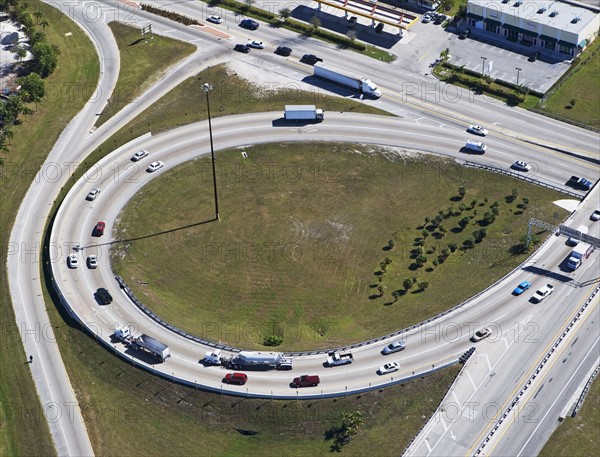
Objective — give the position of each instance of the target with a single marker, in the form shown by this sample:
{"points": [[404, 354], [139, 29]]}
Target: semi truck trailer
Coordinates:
{"points": [[159, 350], [363, 85], [264, 360], [303, 113]]}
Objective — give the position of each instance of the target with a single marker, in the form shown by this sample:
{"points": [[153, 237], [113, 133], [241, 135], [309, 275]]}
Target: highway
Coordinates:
{"points": [[444, 120]]}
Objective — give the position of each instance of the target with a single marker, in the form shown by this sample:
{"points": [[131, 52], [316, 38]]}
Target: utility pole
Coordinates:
{"points": [[206, 88]]}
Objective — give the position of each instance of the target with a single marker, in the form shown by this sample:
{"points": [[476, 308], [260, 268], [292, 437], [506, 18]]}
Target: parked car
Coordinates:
{"points": [[595, 215], [72, 261], [426, 17], [464, 34], [283, 51], [521, 288], [521, 166], [477, 130], [103, 296], [394, 347], [481, 334], [249, 24], [92, 262], [235, 378], [439, 18], [92, 194], [388, 368], [534, 56], [155, 166], [310, 59], [99, 229], [139, 155], [215, 19], [242, 48], [306, 381], [256, 44]]}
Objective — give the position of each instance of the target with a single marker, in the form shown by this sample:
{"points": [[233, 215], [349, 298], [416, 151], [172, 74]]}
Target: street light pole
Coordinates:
{"points": [[518, 71], [206, 88], [483, 59]]}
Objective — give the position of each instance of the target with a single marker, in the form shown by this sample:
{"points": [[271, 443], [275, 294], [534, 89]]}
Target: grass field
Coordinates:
{"points": [[578, 436], [69, 87], [583, 86], [142, 63], [303, 231]]}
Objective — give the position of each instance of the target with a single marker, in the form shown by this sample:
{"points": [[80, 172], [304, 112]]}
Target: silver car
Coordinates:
{"points": [[396, 346]]}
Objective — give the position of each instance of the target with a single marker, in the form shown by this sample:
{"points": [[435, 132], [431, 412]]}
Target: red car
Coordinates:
{"points": [[236, 378], [306, 381], [99, 229]]}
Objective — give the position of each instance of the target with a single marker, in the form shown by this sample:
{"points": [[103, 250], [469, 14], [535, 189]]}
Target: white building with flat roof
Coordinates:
{"points": [[553, 26]]}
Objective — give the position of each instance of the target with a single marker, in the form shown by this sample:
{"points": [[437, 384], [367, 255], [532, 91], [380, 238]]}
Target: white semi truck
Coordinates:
{"points": [[581, 252], [156, 348], [212, 357], [363, 85], [303, 113], [265, 360]]}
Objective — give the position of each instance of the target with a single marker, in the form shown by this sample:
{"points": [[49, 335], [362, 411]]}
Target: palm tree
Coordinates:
{"points": [[44, 24], [38, 15]]}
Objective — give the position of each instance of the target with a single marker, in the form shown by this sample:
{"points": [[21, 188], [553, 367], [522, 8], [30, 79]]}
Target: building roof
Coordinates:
{"points": [[558, 15]]}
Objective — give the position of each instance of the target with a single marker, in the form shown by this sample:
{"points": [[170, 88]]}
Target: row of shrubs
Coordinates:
{"points": [[185, 20]]}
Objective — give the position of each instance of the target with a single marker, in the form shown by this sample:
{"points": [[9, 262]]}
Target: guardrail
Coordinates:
{"points": [[538, 370], [585, 391], [523, 177]]}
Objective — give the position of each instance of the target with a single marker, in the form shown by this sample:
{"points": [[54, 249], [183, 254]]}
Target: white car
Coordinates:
{"points": [[72, 261], [215, 19], [394, 347], [91, 196], [481, 334], [595, 215], [256, 44], [477, 130], [155, 166], [388, 368], [521, 166], [139, 155], [92, 262]]}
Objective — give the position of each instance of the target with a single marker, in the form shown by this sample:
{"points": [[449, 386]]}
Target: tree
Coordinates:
{"points": [[469, 242], [425, 233], [420, 260], [473, 203], [407, 283], [387, 260], [46, 58], [315, 23], [351, 35], [380, 290], [423, 285], [462, 191], [442, 230], [463, 222], [435, 263], [396, 295], [391, 244], [273, 340], [44, 24], [33, 88], [20, 53], [351, 422], [38, 15], [452, 246], [285, 13]]}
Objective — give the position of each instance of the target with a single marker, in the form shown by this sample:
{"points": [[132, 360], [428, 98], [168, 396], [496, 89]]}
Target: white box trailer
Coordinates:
{"points": [[363, 85], [303, 113], [156, 348]]}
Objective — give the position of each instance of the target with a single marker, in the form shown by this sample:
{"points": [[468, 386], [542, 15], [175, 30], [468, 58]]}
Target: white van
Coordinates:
{"points": [[476, 146]]}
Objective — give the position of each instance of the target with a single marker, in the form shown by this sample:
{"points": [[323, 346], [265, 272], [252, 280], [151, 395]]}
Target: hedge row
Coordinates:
{"points": [[185, 20]]}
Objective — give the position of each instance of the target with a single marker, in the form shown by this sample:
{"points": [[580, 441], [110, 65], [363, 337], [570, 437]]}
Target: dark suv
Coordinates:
{"points": [[103, 296], [249, 24], [242, 48], [310, 59]]}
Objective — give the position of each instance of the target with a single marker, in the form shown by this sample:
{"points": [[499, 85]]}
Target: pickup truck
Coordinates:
{"points": [[580, 183], [306, 381], [542, 293], [339, 358]]}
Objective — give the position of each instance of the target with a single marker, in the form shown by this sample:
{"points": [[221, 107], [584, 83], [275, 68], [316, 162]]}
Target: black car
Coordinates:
{"points": [[464, 34], [533, 57], [249, 24], [283, 51], [310, 59], [103, 296], [439, 18], [242, 48]]}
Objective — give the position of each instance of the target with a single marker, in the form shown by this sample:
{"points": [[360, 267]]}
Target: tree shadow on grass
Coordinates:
{"points": [[338, 436]]}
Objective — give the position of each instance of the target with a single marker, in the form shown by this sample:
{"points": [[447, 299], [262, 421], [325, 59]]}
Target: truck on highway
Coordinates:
{"points": [[306, 381], [303, 113], [542, 293], [580, 183], [357, 83], [212, 357], [581, 252], [339, 358], [159, 350], [255, 359]]}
